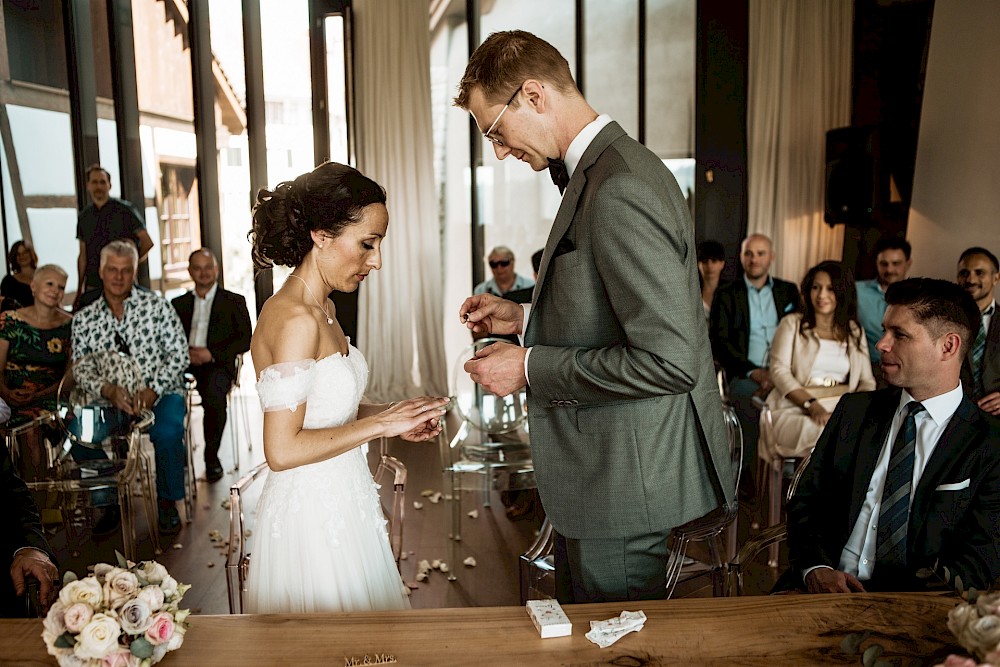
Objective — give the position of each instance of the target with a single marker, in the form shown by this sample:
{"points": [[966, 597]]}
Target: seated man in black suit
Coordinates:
{"points": [[218, 327], [907, 477], [24, 550], [744, 316]]}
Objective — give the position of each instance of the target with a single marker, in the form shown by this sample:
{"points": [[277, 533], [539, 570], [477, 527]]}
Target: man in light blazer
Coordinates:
{"points": [[625, 416], [940, 467], [217, 324]]}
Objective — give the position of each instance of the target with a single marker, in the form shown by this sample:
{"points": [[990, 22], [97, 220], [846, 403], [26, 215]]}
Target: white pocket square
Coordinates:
{"points": [[957, 486]]}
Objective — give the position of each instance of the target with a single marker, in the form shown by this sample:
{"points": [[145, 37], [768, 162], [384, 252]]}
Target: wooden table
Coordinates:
{"points": [[776, 630]]}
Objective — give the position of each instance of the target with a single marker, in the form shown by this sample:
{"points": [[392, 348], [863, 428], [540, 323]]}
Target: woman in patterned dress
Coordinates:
{"points": [[35, 353]]}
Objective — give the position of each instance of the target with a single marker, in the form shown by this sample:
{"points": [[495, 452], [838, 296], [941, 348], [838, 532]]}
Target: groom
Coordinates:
{"points": [[625, 417]]}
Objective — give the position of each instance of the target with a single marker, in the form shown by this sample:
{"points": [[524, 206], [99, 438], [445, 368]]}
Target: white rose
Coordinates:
{"points": [[178, 638], [168, 586], [153, 595], [101, 570], [98, 638], [158, 653], [152, 572], [77, 615], [119, 586], [69, 659], [87, 591], [54, 622], [983, 635], [135, 616]]}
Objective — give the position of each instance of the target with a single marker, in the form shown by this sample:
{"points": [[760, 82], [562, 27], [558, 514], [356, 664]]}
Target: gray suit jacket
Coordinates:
{"points": [[624, 411]]}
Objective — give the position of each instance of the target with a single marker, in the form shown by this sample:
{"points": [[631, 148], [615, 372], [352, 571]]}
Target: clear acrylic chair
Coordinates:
{"points": [[770, 474], [238, 422], [190, 485], [391, 470], [709, 528], [770, 538], [537, 568], [490, 443], [121, 471], [238, 552], [29, 463]]}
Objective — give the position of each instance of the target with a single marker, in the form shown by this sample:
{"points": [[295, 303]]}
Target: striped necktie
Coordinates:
{"points": [[978, 350], [890, 547]]}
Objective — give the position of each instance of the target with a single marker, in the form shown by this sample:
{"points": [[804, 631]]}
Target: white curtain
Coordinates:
{"points": [[400, 310], [799, 87]]}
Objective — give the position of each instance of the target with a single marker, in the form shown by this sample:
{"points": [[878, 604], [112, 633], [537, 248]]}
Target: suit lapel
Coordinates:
{"points": [[958, 437], [567, 209], [875, 425], [186, 310]]}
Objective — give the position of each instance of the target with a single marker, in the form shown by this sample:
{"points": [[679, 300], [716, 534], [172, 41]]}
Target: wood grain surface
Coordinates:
{"points": [[763, 630]]}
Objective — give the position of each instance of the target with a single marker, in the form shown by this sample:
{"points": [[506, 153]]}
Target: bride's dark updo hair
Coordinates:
{"points": [[327, 199]]}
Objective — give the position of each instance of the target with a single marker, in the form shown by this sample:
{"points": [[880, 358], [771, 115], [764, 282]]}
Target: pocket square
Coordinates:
{"points": [[564, 246], [789, 308], [957, 486]]}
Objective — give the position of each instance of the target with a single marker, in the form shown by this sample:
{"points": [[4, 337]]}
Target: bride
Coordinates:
{"points": [[321, 542]]}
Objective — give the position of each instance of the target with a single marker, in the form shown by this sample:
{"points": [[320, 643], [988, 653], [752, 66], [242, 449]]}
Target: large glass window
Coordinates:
{"points": [[336, 88], [611, 61], [287, 94], [235, 198], [449, 55]]}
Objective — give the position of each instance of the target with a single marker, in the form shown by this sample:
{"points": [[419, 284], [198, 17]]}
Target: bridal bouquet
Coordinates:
{"points": [[976, 626], [124, 616]]}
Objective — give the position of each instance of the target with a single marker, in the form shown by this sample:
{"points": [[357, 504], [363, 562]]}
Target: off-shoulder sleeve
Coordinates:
{"points": [[285, 386]]}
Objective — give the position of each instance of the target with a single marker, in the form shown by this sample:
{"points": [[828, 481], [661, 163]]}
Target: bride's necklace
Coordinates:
{"points": [[329, 320]]}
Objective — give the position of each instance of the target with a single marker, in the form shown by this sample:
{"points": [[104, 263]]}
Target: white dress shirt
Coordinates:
{"points": [[858, 556], [581, 142], [199, 317]]}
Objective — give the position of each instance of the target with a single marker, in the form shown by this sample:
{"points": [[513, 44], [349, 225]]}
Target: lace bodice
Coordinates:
{"points": [[331, 388]]}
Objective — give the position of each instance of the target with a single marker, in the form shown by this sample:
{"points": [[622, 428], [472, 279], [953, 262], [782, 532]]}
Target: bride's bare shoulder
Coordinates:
{"points": [[285, 331]]}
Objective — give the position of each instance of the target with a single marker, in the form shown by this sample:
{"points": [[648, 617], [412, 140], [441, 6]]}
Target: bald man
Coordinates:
{"points": [[218, 327], [745, 314]]}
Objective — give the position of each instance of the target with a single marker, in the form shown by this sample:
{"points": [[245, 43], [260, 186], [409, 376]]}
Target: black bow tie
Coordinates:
{"points": [[557, 170]]}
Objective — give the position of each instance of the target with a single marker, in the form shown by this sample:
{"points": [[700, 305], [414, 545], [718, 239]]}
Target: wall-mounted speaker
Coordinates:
{"points": [[855, 183]]}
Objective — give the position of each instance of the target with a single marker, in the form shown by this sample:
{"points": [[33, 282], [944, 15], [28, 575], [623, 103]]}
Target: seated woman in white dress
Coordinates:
{"points": [[817, 355], [320, 543]]}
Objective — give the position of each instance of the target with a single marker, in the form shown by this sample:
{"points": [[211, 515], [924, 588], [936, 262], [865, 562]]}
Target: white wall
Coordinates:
{"points": [[956, 186]]}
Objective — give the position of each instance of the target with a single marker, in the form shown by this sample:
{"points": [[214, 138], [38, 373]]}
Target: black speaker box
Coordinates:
{"points": [[856, 188]]}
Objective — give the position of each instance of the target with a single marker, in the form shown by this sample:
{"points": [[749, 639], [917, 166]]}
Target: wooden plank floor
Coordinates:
{"points": [[494, 541]]}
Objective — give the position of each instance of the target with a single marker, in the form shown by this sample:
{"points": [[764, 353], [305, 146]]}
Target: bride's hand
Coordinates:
{"points": [[415, 419]]}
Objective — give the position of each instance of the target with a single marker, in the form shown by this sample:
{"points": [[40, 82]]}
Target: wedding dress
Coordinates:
{"points": [[320, 542]]}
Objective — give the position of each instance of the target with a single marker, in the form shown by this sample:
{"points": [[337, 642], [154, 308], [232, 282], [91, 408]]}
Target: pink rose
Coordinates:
{"points": [[120, 658], [161, 629], [77, 616]]}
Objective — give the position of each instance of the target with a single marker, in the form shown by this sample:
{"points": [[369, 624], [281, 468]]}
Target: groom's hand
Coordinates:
{"points": [[489, 314], [498, 368]]}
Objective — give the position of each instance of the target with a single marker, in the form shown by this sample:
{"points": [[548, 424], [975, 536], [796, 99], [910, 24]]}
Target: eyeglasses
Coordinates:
{"points": [[499, 262], [496, 140]]}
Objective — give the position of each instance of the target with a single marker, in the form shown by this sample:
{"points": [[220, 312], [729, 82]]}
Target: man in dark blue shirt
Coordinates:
{"points": [[99, 223]]}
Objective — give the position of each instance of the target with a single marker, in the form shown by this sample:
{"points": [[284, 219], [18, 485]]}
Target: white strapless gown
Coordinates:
{"points": [[320, 542]]}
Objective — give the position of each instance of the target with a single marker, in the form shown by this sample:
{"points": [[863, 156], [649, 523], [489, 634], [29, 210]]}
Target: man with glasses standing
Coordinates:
{"points": [[504, 280], [625, 418]]}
